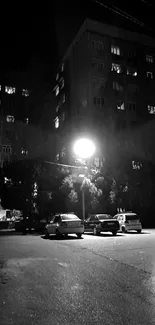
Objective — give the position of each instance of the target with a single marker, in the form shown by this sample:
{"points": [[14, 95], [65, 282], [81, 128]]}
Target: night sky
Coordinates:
{"points": [[34, 37]]}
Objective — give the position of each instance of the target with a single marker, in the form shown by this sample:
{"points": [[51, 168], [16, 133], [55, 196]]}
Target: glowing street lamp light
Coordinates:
{"points": [[84, 148]]}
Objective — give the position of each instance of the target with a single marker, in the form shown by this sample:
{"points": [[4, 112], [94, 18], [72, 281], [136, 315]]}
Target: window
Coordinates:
{"points": [[10, 90], [26, 120], [24, 152], [97, 64], [0, 87], [98, 101], [63, 98], [131, 54], [149, 75], [151, 109], [56, 122], [7, 149], [101, 65], [132, 106], [10, 119], [102, 82], [115, 50], [97, 45], [57, 76], [62, 83], [94, 82], [25, 92], [132, 72], [136, 165], [116, 67], [120, 105], [57, 109], [149, 58], [117, 86], [62, 67], [57, 90], [100, 46], [63, 116]]}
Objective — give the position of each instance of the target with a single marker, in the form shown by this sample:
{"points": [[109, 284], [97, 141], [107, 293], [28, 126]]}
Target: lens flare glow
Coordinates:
{"points": [[84, 148]]}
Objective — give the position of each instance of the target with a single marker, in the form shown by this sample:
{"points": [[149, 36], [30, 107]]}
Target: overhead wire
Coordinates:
{"points": [[123, 14]]}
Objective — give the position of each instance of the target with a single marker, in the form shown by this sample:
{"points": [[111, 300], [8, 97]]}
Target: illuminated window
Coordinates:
{"points": [[120, 105], [0, 87], [149, 75], [117, 86], [24, 152], [132, 106], [132, 72], [56, 122], [57, 90], [151, 109], [149, 58], [136, 165], [25, 92], [10, 90], [27, 120], [62, 67], [115, 50], [116, 67], [10, 119], [57, 76]]}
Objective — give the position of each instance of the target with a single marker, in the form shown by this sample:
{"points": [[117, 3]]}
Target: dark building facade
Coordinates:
{"points": [[106, 79]]}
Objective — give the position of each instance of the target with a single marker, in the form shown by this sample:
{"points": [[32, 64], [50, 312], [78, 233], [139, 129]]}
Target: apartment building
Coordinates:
{"points": [[107, 76], [14, 111]]}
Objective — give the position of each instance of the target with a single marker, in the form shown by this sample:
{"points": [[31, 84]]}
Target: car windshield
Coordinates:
{"points": [[131, 217], [69, 217], [104, 216]]}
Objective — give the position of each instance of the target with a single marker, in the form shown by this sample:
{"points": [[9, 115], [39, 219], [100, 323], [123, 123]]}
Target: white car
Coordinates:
{"points": [[64, 224], [129, 221]]}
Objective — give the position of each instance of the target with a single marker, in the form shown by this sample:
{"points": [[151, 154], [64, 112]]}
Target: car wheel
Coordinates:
{"points": [[46, 234], [114, 233], [79, 235], [95, 231], [139, 231], [57, 233], [123, 230]]}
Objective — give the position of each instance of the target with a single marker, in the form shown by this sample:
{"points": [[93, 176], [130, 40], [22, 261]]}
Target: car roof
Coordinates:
{"points": [[125, 213]]}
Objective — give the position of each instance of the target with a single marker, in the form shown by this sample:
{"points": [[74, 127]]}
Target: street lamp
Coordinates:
{"points": [[84, 148]]}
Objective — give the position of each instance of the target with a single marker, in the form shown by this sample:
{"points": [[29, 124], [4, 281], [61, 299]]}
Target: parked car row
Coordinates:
{"points": [[64, 224], [69, 223]]}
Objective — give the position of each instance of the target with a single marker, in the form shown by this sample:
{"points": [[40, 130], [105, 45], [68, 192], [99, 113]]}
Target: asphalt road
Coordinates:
{"points": [[95, 280]]}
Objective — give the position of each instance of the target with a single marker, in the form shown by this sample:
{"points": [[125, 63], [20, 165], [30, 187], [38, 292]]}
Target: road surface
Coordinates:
{"points": [[95, 280]]}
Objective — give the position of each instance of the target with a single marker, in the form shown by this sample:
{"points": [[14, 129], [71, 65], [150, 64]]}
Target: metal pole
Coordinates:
{"points": [[83, 205]]}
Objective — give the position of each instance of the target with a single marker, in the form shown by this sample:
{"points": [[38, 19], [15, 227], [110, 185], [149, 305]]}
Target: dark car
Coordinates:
{"points": [[97, 223]]}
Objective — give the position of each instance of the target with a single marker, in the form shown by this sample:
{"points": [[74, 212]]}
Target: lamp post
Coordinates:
{"points": [[84, 148]]}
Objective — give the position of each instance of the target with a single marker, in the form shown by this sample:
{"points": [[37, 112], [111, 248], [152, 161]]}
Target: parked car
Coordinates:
{"points": [[37, 225], [64, 224], [101, 223], [129, 221]]}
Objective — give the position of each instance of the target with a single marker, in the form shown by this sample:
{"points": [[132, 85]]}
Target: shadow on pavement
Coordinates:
{"points": [[13, 232], [105, 235], [53, 237]]}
